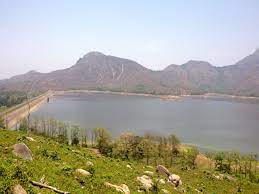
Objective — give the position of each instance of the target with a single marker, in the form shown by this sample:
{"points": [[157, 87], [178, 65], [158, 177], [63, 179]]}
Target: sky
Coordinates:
{"points": [[47, 35]]}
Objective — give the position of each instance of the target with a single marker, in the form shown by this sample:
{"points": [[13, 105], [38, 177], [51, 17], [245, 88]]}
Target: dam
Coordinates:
{"points": [[13, 116]]}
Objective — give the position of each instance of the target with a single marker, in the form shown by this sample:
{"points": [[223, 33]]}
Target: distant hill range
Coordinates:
{"points": [[96, 71]]}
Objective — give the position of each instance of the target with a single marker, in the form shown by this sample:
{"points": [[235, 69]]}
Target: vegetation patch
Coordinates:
{"points": [[54, 163]]}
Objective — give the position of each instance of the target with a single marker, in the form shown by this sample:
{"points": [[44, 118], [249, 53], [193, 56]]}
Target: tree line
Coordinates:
{"points": [[10, 98], [148, 148]]}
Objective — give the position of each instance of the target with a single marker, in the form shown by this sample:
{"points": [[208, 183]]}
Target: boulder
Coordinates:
{"points": [[89, 163], [175, 180], [165, 191], [18, 189], [128, 166], [122, 188], [21, 150], [30, 139], [149, 173], [82, 172], [146, 182], [172, 178], [223, 176]]}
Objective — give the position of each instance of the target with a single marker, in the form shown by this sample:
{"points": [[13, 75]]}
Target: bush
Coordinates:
{"points": [[23, 125], [2, 125], [75, 135]]}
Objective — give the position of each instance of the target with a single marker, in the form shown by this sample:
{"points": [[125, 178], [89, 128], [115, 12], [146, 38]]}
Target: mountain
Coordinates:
{"points": [[193, 77], [96, 71]]}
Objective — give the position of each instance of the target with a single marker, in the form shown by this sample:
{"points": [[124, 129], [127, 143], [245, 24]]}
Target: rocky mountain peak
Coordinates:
{"points": [[32, 72], [93, 53], [197, 64]]}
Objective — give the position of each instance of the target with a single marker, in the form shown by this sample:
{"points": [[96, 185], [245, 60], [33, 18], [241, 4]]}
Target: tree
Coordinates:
{"points": [[23, 125], [148, 146], [173, 142], [122, 147], [103, 141], [74, 135], [84, 136], [236, 159], [2, 125], [94, 135], [220, 165], [62, 132], [191, 155], [127, 147]]}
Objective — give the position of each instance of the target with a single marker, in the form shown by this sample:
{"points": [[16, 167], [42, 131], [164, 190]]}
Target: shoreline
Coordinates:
{"points": [[163, 97]]}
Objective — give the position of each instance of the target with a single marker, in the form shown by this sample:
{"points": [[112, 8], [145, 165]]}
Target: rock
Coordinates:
{"points": [[201, 161], [30, 139], [122, 188], [151, 167], [175, 180], [230, 178], [222, 177], [165, 191], [89, 163], [149, 173], [172, 178], [76, 151], [128, 166], [18, 189], [163, 170], [22, 151], [82, 172], [219, 177], [146, 182], [162, 181]]}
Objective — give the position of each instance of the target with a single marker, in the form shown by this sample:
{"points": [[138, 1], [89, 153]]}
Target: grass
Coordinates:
{"points": [[58, 162]]}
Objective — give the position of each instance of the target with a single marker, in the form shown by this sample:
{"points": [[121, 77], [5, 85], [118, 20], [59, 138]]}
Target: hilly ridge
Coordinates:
{"points": [[96, 71]]}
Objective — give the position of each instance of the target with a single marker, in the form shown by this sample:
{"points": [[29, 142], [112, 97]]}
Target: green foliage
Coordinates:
{"points": [[2, 125], [75, 135], [140, 88], [220, 165], [53, 155], [127, 147], [23, 125], [103, 141], [190, 157], [12, 98], [61, 173]]}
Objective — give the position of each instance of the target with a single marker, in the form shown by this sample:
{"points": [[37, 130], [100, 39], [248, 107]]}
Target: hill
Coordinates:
{"points": [[57, 162], [96, 71]]}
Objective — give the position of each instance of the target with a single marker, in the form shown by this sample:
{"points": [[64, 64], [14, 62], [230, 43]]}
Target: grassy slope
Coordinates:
{"points": [[60, 173]]}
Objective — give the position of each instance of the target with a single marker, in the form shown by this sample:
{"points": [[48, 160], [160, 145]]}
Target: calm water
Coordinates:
{"points": [[208, 124]]}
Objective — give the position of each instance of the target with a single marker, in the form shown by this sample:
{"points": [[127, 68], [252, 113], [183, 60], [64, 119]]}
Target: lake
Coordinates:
{"points": [[208, 124]]}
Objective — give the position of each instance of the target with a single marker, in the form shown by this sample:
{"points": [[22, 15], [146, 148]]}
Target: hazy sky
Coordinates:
{"points": [[50, 34]]}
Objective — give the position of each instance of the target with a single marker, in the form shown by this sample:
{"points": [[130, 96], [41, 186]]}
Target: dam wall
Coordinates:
{"points": [[15, 115]]}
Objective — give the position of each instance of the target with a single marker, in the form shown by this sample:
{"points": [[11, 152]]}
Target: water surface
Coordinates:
{"points": [[209, 124]]}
